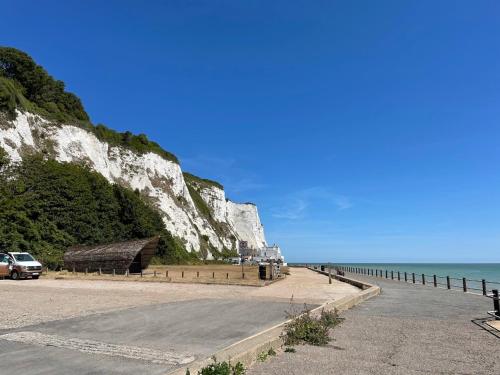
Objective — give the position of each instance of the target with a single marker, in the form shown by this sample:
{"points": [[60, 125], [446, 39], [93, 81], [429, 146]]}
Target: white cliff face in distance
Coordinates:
{"points": [[160, 180]]}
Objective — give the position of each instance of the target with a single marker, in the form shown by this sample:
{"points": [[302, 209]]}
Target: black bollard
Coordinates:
{"points": [[496, 303]]}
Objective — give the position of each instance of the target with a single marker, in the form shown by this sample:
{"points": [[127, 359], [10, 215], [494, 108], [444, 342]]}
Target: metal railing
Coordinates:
{"points": [[446, 282]]}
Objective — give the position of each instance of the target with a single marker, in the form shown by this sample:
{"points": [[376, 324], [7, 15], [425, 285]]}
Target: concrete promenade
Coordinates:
{"points": [[408, 329]]}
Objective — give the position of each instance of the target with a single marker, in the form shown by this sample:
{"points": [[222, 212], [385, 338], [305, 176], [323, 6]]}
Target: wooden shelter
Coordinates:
{"points": [[133, 256]]}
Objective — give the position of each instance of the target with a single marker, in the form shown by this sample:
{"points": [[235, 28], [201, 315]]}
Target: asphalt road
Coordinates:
{"points": [[408, 329], [149, 339]]}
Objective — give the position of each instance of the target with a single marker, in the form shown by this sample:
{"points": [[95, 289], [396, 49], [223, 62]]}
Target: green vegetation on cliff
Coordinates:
{"points": [[204, 183], [195, 185], [37, 86], [24, 85], [47, 206]]}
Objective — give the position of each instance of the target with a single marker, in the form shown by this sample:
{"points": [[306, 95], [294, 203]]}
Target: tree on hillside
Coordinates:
{"points": [[38, 86]]}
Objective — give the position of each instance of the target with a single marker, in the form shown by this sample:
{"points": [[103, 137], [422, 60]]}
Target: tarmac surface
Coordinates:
{"points": [[147, 339], [114, 327], [408, 329]]}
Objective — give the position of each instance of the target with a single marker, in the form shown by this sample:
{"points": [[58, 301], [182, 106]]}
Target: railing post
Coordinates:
{"points": [[423, 279], [182, 274], [86, 271], [376, 273], [484, 287], [227, 276], [141, 272], [213, 275], [399, 276], [413, 277], [197, 274], [392, 275], [166, 273], [435, 282], [154, 274], [73, 270], [406, 277], [114, 272], [464, 280], [329, 274], [448, 282], [496, 303], [386, 274], [100, 271]]}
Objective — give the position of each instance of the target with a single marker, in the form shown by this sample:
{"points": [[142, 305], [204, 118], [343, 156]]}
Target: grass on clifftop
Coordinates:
{"points": [[203, 183]]}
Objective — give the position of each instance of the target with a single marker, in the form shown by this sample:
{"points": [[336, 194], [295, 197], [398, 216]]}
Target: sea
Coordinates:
{"points": [[456, 271]]}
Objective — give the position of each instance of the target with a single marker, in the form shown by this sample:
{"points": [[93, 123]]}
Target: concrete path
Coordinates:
{"points": [[406, 330]]}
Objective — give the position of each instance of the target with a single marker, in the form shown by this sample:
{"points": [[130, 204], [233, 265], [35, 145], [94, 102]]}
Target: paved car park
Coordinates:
{"points": [[85, 327], [152, 338]]}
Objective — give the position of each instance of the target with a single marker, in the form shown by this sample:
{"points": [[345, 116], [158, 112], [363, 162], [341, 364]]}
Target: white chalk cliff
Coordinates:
{"points": [[161, 180]]}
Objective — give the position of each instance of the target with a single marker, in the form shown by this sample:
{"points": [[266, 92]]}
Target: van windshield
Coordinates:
{"points": [[24, 257]]}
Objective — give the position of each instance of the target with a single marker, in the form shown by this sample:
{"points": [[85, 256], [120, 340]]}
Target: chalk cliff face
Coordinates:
{"points": [[243, 218], [160, 180]]}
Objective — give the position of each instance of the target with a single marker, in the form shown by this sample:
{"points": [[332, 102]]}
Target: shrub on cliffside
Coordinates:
{"points": [[46, 206]]}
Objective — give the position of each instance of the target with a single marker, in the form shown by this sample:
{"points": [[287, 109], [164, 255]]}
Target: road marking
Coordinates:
{"points": [[96, 347]]}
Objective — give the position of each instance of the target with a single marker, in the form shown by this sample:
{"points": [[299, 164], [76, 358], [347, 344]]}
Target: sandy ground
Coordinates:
{"points": [[29, 302]]}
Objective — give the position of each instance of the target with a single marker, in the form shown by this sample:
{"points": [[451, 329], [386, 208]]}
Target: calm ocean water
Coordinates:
{"points": [[471, 271]]}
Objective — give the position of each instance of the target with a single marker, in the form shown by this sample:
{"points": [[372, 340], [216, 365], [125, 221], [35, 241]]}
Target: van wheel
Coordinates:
{"points": [[14, 275], [35, 277]]}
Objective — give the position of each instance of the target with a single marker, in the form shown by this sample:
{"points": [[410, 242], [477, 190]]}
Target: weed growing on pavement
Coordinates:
{"points": [[221, 368], [304, 328]]}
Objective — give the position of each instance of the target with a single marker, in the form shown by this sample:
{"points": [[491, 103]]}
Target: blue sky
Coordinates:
{"points": [[364, 130]]}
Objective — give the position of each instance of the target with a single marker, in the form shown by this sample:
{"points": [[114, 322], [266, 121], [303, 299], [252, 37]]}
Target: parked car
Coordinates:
{"points": [[23, 265], [4, 265]]}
